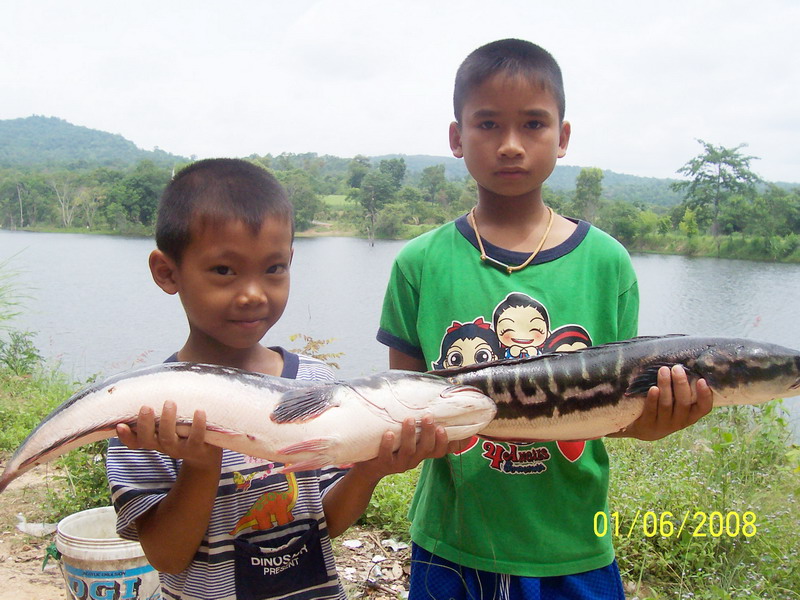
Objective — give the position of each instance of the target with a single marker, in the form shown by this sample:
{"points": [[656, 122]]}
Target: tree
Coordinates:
{"points": [[689, 223], [138, 192], [432, 181], [301, 194], [716, 175], [588, 189], [622, 220], [64, 187], [357, 170], [394, 168], [375, 192]]}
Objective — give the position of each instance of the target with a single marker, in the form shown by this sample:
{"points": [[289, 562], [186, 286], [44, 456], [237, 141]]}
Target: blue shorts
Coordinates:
{"points": [[434, 578]]}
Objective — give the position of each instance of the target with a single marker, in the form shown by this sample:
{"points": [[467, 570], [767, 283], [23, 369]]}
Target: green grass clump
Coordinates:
{"points": [[24, 401], [736, 464], [388, 507], [29, 391]]}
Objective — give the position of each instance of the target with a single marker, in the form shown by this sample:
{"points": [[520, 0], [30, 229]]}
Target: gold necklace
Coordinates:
{"points": [[501, 265]]}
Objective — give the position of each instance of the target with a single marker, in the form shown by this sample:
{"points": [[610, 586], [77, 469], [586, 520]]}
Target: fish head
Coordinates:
{"points": [[416, 394], [748, 372]]}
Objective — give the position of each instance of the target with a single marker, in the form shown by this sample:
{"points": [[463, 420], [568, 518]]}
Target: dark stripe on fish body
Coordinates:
{"points": [[733, 373], [495, 387], [528, 386], [517, 410], [597, 399]]}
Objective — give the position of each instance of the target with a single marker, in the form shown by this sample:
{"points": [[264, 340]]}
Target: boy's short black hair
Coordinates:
{"points": [[511, 57], [218, 190]]}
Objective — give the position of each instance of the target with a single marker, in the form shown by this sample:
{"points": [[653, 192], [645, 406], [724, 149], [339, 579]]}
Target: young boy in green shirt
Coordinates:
{"points": [[512, 278], [216, 524]]}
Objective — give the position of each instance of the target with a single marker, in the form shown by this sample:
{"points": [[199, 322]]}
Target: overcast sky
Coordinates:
{"points": [[643, 80]]}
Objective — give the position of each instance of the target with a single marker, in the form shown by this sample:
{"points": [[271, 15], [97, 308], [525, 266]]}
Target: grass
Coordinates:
{"points": [[28, 393], [735, 465], [759, 248], [336, 200]]}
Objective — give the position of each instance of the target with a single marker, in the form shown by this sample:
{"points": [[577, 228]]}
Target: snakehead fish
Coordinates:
{"points": [[304, 424], [601, 389]]}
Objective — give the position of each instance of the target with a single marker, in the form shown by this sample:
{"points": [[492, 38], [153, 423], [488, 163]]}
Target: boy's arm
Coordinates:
{"points": [[400, 360], [171, 532], [348, 499], [670, 406]]}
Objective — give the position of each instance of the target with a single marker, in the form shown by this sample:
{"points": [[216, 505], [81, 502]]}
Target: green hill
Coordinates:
{"points": [[39, 141]]}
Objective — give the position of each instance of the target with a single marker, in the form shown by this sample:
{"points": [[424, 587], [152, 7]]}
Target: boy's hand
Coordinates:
{"points": [[671, 406], [432, 443], [164, 437]]}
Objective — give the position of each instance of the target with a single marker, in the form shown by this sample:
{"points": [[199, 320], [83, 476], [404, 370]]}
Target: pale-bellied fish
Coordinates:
{"points": [[600, 390], [304, 424]]}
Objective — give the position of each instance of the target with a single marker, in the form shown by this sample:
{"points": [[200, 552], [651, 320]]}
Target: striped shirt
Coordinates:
{"points": [[269, 512]]}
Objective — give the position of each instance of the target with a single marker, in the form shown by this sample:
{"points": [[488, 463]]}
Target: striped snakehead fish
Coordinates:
{"points": [[600, 390]]}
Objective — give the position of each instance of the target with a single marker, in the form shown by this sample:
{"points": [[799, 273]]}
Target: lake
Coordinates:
{"points": [[95, 309]]}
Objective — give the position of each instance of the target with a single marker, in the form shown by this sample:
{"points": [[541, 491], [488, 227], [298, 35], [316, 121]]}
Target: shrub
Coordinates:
{"points": [[735, 462], [19, 353]]}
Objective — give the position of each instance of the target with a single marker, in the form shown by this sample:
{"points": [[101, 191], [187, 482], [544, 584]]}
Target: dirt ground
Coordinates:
{"points": [[22, 555], [370, 566]]}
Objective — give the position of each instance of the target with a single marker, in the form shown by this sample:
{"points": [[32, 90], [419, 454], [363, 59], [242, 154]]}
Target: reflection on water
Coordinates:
{"points": [[96, 310]]}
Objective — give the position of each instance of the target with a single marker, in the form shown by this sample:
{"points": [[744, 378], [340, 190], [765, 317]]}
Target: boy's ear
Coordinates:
{"points": [[455, 140], [563, 139], [164, 271]]}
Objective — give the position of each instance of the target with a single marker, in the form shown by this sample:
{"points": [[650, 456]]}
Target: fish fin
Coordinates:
{"points": [[645, 380], [315, 445], [304, 404], [312, 464]]}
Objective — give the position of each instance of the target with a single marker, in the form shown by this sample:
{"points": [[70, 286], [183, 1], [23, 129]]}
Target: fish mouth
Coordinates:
{"points": [[795, 385], [455, 390]]}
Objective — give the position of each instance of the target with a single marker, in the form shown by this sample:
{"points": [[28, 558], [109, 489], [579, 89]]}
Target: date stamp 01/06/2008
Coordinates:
{"points": [[666, 524]]}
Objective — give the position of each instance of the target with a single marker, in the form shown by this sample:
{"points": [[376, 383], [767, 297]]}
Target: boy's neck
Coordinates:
{"points": [[502, 210], [257, 358], [519, 223]]}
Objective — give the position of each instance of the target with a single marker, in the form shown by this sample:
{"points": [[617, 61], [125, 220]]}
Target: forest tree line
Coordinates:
{"points": [[725, 205]]}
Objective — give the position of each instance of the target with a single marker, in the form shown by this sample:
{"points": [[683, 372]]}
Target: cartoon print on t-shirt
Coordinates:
{"points": [[567, 338], [521, 329], [271, 509], [468, 344], [522, 325]]}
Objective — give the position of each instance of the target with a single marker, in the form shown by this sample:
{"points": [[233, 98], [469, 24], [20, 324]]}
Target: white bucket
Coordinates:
{"points": [[98, 564]]}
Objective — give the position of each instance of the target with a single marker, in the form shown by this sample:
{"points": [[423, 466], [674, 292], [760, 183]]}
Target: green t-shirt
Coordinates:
{"points": [[522, 509]]}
